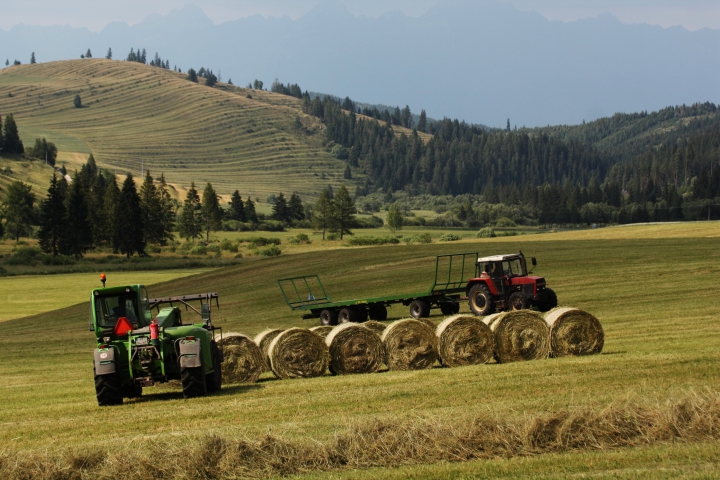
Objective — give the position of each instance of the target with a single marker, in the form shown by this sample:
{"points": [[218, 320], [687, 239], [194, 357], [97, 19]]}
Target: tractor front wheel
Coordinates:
{"points": [[480, 300], [547, 301], [108, 389], [419, 309], [518, 301], [193, 382], [449, 308], [214, 379]]}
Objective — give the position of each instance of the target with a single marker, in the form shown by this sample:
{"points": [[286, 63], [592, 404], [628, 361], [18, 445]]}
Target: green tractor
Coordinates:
{"points": [[137, 349]]}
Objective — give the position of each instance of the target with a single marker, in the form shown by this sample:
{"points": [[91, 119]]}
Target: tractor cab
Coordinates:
{"points": [[117, 310]]}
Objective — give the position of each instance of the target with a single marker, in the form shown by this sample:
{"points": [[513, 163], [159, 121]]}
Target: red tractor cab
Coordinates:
{"points": [[503, 283]]}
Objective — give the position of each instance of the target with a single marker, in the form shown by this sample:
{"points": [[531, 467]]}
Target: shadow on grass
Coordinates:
{"points": [[178, 395]]}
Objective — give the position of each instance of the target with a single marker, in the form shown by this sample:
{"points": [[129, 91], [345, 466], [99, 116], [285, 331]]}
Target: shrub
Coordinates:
{"points": [[504, 222], [486, 232], [270, 251], [57, 260], [369, 222], [332, 236], [226, 244], [449, 237], [213, 248], [3, 272], [262, 241], [420, 238], [152, 249], [25, 256], [198, 250], [360, 241], [271, 226]]}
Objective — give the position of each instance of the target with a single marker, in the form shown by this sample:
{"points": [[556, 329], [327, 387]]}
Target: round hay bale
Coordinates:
{"points": [[464, 340], [354, 348], [574, 332], [243, 360], [323, 330], [298, 353], [263, 340], [409, 345], [520, 335], [376, 327], [427, 322]]}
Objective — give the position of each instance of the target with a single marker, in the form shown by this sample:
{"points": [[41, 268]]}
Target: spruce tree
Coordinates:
{"points": [[192, 75], [110, 200], [109, 54], [167, 212], [211, 212], [2, 143], [19, 211], [343, 212], [190, 226], [150, 208], [32, 59], [11, 138], [323, 214], [422, 122], [77, 101], [129, 227], [237, 210], [250, 214], [280, 210], [77, 238], [88, 54], [297, 212]]}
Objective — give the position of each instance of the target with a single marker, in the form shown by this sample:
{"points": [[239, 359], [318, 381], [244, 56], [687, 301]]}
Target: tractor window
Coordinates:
{"points": [[513, 267], [111, 307]]}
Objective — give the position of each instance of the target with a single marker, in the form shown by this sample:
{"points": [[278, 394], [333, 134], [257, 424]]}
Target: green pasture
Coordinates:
{"points": [[655, 296], [133, 114], [34, 294]]}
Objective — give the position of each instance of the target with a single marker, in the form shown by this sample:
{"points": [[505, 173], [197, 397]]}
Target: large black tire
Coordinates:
{"points": [[214, 379], [517, 301], [450, 308], [547, 300], [328, 317], [347, 315], [133, 391], [193, 382], [378, 312], [480, 300], [419, 309], [363, 315], [108, 389]]}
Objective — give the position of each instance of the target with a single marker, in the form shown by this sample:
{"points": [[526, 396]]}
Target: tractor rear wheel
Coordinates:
{"points": [[480, 300], [518, 301], [378, 312], [328, 317], [108, 389], [214, 379], [547, 301], [450, 308], [193, 382], [419, 309], [347, 315]]}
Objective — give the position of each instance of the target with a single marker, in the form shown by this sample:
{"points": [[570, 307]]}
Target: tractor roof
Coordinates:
{"points": [[499, 258]]}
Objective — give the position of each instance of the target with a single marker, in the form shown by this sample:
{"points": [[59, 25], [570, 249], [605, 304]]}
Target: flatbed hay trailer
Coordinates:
{"points": [[307, 294]]}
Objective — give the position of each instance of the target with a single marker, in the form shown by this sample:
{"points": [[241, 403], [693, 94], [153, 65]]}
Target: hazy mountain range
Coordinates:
{"points": [[475, 60]]}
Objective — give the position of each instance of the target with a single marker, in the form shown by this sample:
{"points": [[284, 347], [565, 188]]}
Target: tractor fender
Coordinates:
{"points": [[105, 361], [483, 281], [190, 354]]}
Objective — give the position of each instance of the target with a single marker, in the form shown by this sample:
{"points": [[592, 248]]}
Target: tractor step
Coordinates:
{"points": [[145, 381]]}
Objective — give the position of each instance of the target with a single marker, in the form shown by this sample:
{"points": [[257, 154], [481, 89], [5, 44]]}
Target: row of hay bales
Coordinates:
{"points": [[411, 344]]}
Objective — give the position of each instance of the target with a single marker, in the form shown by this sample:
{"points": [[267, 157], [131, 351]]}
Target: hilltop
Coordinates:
{"points": [[133, 113]]}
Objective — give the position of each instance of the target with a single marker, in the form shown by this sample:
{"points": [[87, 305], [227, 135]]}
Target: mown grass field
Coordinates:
{"points": [[655, 295]]}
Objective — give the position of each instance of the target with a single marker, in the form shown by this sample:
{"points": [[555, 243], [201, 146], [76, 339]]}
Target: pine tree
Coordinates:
{"points": [[110, 201], [32, 59], [190, 226], [297, 212], [150, 208], [88, 54], [129, 227], [109, 54], [11, 138], [77, 101], [77, 238], [192, 75], [2, 142], [343, 212], [167, 212], [394, 218], [250, 214], [347, 175], [323, 213], [237, 210], [422, 122], [210, 80], [280, 210], [53, 216], [19, 212], [211, 212]]}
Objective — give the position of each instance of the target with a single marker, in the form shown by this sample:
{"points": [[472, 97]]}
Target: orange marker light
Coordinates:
{"points": [[103, 278]]}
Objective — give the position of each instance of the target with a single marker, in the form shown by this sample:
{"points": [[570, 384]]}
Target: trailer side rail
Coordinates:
{"points": [[304, 291], [451, 271]]}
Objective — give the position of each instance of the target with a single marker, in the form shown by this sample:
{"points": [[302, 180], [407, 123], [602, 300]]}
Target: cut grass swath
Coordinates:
{"points": [[298, 353], [409, 345], [520, 335], [243, 360], [354, 349], [464, 340], [574, 332]]}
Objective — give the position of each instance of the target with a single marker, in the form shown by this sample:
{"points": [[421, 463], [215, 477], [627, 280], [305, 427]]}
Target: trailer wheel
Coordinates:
{"points": [[419, 309], [517, 301], [450, 308], [362, 315], [548, 300], [347, 315], [214, 380], [108, 389], [328, 317], [378, 312], [193, 382], [480, 300]]}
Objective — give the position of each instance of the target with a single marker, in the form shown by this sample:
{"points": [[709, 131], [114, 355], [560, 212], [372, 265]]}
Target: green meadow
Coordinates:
{"points": [[652, 287]]}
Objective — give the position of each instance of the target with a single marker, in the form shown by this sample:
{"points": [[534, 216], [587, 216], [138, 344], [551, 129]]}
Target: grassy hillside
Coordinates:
{"points": [[134, 113], [652, 295]]}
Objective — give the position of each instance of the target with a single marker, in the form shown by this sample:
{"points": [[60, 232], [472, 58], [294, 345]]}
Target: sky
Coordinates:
{"points": [[95, 14]]}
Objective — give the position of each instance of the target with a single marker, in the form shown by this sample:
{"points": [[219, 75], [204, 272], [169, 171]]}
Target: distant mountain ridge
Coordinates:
{"points": [[482, 62]]}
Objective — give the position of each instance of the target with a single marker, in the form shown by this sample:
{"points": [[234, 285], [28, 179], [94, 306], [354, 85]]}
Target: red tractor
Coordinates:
{"points": [[504, 284]]}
